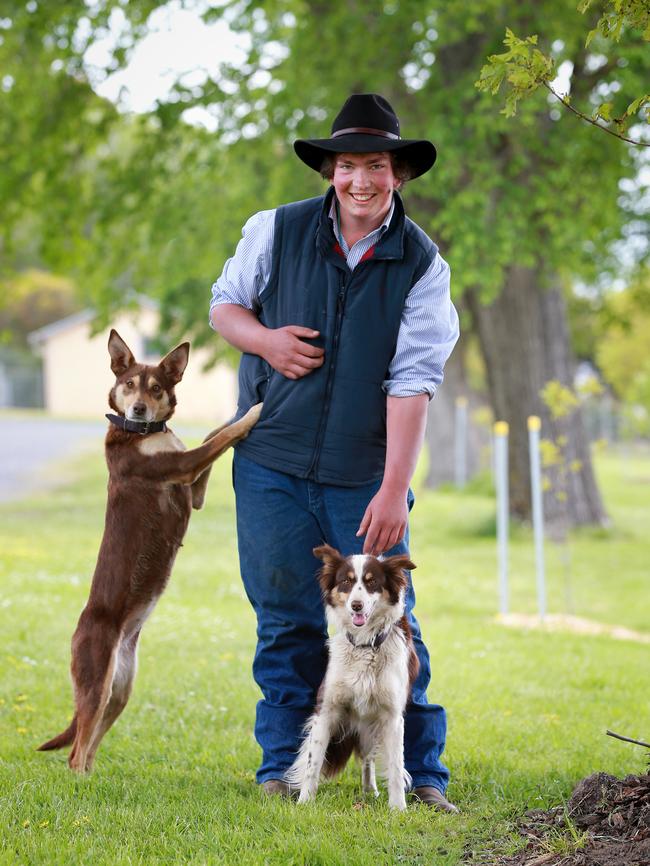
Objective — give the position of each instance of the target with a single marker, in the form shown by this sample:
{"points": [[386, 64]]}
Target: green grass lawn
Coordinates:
{"points": [[174, 779]]}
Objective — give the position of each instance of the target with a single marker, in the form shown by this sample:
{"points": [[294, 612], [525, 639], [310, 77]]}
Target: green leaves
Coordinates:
{"points": [[524, 67], [618, 16]]}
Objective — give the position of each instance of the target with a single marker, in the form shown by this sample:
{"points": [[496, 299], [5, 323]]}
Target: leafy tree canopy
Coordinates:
{"points": [[30, 300], [523, 68], [130, 204], [623, 351]]}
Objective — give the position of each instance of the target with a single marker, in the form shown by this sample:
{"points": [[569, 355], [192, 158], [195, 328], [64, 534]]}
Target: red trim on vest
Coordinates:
{"points": [[367, 255]]}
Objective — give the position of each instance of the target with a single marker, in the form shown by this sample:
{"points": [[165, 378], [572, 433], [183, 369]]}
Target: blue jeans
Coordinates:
{"points": [[280, 519]]}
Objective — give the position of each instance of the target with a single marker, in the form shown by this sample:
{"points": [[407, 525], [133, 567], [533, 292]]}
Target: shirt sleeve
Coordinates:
{"points": [[427, 334], [248, 271]]}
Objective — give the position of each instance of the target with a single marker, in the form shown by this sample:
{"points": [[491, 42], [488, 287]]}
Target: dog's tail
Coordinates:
{"points": [[338, 754], [63, 739], [339, 750]]}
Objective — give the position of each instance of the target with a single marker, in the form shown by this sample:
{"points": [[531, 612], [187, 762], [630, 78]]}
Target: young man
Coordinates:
{"points": [[341, 307]]}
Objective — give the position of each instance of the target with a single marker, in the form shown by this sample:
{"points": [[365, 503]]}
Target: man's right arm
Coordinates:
{"points": [[283, 348], [236, 296]]}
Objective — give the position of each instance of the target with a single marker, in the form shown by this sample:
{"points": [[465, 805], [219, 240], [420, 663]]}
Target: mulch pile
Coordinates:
{"points": [[613, 813]]}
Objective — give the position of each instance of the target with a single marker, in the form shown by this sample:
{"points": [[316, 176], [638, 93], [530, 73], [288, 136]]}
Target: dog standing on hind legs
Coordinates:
{"points": [[153, 485], [371, 669]]}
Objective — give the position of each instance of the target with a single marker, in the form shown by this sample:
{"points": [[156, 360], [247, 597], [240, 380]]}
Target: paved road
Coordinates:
{"points": [[29, 447]]}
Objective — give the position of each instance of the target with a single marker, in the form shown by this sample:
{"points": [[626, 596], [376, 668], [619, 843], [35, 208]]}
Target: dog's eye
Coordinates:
{"points": [[344, 586], [129, 383], [156, 389], [371, 583]]}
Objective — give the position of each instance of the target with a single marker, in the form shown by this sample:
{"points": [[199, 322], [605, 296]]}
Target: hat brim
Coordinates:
{"points": [[420, 155]]}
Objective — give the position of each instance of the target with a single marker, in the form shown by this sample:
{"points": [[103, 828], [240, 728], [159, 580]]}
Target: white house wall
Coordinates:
{"points": [[78, 377]]}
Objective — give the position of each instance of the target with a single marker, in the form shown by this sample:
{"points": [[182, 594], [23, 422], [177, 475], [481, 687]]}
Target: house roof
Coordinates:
{"points": [[42, 335]]}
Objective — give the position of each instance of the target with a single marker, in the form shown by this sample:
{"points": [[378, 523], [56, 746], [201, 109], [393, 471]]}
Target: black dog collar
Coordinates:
{"points": [[141, 427], [375, 643]]}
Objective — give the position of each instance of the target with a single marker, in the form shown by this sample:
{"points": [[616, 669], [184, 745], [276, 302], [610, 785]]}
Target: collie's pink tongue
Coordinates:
{"points": [[359, 618]]}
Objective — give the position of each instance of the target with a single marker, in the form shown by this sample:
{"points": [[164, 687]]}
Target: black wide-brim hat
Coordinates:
{"points": [[367, 124]]}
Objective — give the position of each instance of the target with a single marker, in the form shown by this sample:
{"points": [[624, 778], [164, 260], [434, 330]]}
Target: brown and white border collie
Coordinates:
{"points": [[153, 484], [372, 666]]}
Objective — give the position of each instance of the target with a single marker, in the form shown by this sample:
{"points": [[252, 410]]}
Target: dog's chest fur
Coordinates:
{"points": [[368, 681], [147, 518], [156, 443]]}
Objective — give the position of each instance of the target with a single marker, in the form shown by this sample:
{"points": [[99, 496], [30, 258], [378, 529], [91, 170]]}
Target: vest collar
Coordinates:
{"points": [[389, 246], [141, 427]]}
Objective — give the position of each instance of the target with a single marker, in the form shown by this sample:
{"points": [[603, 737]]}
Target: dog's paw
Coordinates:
{"points": [[250, 419], [305, 797]]}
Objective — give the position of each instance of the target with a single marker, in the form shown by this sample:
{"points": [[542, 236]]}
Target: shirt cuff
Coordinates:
{"points": [[397, 388]]}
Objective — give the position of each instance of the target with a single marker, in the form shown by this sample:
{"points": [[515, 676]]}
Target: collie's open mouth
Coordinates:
{"points": [[359, 619]]}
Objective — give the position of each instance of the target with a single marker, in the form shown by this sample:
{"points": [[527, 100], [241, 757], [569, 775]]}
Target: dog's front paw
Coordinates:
{"points": [[250, 419], [306, 796], [397, 803]]}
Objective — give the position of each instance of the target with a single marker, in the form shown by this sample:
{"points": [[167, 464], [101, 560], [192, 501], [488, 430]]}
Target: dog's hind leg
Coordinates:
{"points": [[368, 778], [126, 663], [393, 743], [367, 748], [94, 650]]}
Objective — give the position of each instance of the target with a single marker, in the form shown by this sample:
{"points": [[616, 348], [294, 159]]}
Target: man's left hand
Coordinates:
{"points": [[384, 521]]}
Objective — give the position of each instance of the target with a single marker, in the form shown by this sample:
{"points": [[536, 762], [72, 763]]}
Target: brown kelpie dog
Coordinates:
{"points": [[153, 485]]}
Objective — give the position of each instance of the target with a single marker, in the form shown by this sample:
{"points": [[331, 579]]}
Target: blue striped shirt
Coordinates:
{"points": [[429, 327]]}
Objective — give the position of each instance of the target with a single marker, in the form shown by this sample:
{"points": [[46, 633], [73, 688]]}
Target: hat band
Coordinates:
{"points": [[364, 130]]}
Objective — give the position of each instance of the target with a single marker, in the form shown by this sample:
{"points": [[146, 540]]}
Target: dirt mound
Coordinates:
{"points": [[605, 823]]}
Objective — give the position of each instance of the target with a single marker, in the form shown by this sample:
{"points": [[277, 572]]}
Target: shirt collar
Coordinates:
{"points": [[334, 216]]}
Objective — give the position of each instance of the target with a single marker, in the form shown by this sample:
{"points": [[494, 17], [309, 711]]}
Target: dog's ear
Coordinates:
{"points": [[332, 561], [400, 562], [173, 365], [121, 356], [327, 554], [394, 569]]}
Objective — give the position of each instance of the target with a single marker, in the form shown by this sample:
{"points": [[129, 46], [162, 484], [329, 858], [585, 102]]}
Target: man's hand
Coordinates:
{"points": [[386, 517], [384, 521], [286, 351]]}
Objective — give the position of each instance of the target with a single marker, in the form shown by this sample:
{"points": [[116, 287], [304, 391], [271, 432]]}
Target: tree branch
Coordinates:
{"points": [[593, 122], [627, 739]]}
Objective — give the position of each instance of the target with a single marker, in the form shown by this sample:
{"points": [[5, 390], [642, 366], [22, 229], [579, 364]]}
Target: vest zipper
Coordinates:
{"points": [[340, 307]]}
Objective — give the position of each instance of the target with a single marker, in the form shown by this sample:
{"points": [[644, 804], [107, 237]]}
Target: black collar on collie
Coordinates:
{"points": [[375, 643], [141, 427]]}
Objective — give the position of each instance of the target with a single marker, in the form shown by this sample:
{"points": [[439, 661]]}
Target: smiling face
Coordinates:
{"points": [[364, 185], [361, 590]]}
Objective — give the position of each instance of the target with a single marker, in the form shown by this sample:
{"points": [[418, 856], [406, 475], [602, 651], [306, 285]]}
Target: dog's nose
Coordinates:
{"points": [[357, 606], [139, 408]]}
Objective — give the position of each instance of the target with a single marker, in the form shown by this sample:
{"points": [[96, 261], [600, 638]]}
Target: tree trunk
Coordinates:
{"points": [[441, 426], [524, 339]]}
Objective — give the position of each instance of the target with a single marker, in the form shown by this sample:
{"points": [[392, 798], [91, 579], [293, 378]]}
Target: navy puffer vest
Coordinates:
{"points": [[330, 425]]}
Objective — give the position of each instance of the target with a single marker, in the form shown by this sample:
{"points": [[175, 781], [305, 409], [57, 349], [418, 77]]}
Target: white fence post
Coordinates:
{"points": [[501, 484], [460, 443], [534, 426]]}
